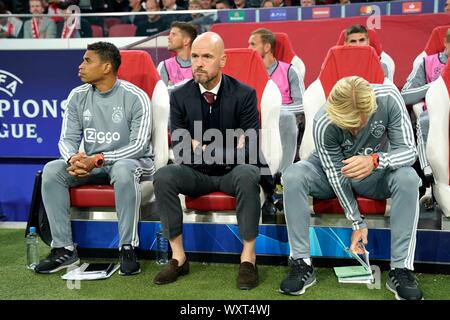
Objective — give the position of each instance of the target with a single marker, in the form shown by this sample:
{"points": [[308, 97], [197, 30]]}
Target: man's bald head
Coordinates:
{"points": [[208, 57], [211, 39]]}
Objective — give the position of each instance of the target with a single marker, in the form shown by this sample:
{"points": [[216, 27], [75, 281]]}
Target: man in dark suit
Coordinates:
{"points": [[211, 104]]}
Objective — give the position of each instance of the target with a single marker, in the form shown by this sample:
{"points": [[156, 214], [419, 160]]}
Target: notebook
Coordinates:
{"points": [[356, 274]]}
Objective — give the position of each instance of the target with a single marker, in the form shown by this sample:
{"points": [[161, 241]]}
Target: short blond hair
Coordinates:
{"points": [[351, 99]]}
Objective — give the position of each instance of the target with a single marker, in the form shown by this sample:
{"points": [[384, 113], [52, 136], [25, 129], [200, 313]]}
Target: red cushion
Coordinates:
{"points": [[247, 66], [366, 206], [92, 196], [137, 67], [283, 47], [345, 61], [374, 40], [435, 42], [215, 201]]}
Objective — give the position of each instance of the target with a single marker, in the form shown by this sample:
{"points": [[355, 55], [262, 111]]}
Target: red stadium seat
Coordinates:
{"points": [[137, 67], [374, 41], [434, 44], [246, 66], [111, 21], [122, 30], [97, 31], [341, 61], [284, 51], [438, 152]]}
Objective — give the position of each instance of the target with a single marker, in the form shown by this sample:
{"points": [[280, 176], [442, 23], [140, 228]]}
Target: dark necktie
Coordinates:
{"points": [[209, 97]]}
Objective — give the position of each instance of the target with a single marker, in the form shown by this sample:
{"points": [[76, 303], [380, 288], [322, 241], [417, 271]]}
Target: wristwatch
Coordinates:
{"points": [[99, 160], [375, 157]]}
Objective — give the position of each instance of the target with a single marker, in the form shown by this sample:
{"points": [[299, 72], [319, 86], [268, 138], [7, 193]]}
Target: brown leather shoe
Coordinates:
{"points": [[171, 272], [247, 277]]}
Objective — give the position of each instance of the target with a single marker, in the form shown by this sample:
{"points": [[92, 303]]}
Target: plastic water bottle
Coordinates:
{"points": [[32, 249], [162, 248]]}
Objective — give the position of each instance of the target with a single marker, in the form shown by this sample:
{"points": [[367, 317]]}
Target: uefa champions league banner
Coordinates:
{"points": [[34, 86]]}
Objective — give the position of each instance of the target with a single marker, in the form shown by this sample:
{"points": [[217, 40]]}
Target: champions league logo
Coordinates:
{"points": [[9, 82], [13, 112]]}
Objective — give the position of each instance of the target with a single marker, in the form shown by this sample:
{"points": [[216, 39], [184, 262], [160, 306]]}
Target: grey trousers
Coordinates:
{"points": [[422, 126], [402, 185], [242, 182], [124, 175], [288, 133]]}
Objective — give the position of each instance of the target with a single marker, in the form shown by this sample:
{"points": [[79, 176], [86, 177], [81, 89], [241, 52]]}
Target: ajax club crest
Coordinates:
{"points": [[377, 129], [117, 115]]}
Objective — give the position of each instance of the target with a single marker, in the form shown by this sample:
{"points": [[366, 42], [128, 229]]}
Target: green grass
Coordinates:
{"points": [[205, 281]]}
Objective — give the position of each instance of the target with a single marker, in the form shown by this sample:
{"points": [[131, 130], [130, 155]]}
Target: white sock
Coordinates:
{"points": [[307, 261], [71, 248]]}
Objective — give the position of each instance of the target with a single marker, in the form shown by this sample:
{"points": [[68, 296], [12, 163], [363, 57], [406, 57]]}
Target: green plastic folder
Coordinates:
{"points": [[350, 272]]}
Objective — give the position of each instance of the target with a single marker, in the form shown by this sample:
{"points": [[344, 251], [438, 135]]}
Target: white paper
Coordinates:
{"points": [[79, 274]]}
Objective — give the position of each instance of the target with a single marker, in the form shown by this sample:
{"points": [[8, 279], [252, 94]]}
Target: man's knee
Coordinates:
{"points": [[295, 174], [52, 169], [287, 118], [246, 174], [122, 172], [406, 179], [166, 176]]}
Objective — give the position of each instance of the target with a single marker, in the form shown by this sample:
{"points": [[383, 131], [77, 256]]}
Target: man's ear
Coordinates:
{"points": [[223, 60], [107, 68], [267, 48]]}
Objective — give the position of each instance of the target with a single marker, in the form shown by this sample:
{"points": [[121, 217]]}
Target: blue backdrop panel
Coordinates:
{"points": [[33, 88], [365, 9], [432, 247], [278, 14], [32, 96], [321, 12], [237, 15], [16, 190], [412, 7], [441, 5]]}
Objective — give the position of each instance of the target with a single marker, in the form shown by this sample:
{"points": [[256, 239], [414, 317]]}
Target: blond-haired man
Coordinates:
{"points": [[352, 133]]}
